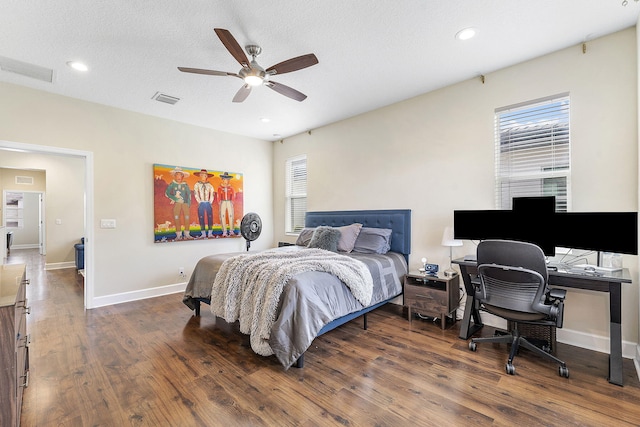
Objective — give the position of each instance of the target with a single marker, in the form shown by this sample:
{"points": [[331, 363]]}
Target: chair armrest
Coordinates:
{"points": [[555, 293], [555, 298]]}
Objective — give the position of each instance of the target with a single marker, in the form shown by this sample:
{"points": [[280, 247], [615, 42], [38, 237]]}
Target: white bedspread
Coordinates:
{"points": [[248, 286]]}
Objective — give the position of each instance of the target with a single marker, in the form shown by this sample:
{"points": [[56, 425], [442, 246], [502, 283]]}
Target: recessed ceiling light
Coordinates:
{"points": [[466, 33], [78, 66], [265, 119]]}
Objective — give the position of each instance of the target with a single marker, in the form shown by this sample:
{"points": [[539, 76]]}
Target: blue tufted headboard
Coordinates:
{"points": [[399, 220]]}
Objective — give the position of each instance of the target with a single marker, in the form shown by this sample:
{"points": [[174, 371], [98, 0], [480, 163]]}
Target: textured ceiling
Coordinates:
{"points": [[371, 53]]}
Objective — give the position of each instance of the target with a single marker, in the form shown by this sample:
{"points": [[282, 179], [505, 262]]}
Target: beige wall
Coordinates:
{"points": [[435, 153], [124, 146]]}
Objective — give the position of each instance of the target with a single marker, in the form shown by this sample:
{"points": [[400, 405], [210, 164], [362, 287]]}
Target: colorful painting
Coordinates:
{"points": [[196, 203]]}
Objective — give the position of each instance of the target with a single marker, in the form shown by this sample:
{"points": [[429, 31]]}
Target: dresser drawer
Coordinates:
{"points": [[14, 342]]}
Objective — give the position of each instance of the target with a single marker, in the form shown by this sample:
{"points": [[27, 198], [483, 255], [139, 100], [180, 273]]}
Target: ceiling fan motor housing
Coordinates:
{"points": [[253, 50]]}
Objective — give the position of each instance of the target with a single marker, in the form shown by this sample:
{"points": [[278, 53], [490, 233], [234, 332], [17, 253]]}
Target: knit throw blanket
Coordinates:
{"points": [[248, 287]]}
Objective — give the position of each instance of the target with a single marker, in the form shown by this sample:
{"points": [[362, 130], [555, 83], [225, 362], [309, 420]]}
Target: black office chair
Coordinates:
{"points": [[513, 285]]}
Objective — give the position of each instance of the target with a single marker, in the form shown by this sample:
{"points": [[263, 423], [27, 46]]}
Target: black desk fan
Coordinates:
{"points": [[250, 227]]}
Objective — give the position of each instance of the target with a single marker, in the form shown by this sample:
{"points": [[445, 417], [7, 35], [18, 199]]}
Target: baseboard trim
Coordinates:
{"points": [[59, 265], [597, 343], [27, 246], [138, 295]]}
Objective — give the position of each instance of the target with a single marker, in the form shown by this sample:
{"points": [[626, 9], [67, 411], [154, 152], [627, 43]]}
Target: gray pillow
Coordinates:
{"points": [[348, 236], [373, 241], [305, 236], [325, 238]]}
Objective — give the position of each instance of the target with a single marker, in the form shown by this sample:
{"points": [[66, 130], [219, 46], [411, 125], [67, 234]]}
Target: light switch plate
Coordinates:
{"points": [[107, 223]]}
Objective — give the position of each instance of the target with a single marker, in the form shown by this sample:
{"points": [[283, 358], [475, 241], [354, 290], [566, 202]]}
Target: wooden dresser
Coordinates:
{"points": [[14, 342]]}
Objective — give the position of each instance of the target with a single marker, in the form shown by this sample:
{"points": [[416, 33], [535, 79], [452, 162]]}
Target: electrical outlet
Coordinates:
{"points": [[182, 273]]}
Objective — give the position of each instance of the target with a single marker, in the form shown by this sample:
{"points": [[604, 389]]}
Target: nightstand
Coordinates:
{"points": [[433, 296]]}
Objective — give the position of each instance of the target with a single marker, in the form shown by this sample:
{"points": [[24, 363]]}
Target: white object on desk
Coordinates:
{"points": [[592, 268]]}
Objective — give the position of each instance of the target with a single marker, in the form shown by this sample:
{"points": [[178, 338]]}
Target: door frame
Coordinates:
{"points": [[42, 224], [87, 156]]}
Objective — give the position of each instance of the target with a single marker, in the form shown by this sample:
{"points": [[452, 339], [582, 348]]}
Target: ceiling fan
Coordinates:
{"points": [[253, 74]]}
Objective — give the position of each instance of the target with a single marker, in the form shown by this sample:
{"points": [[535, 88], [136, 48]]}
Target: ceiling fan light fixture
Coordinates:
{"points": [[254, 76], [466, 33], [253, 80]]}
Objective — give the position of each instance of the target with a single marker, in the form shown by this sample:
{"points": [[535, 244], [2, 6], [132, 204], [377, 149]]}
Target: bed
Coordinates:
{"points": [[315, 302]]}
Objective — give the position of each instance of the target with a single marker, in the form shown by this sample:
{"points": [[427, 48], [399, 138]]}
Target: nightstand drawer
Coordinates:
{"points": [[422, 297]]}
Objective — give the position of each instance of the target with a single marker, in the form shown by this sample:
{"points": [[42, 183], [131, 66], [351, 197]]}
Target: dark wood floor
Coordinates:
{"points": [[152, 363]]}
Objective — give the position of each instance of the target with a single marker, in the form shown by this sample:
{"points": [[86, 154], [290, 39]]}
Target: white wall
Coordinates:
{"points": [[435, 153], [125, 145]]}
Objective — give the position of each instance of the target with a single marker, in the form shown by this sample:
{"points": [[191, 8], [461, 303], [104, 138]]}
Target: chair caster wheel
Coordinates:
{"points": [[511, 370], [563, 371], [473, 346]]}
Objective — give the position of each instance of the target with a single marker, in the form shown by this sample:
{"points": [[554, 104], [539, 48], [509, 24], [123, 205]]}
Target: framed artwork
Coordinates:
{"points": [[196, 203]]}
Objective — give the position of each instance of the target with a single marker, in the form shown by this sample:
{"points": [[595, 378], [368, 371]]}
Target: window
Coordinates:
{"points": [[533, 151], [296, 193]]}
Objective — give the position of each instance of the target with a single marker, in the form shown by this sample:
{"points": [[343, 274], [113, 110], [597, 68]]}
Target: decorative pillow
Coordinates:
{"points": [[373, 241], [348, 236], [305, 236], [325, 238]]}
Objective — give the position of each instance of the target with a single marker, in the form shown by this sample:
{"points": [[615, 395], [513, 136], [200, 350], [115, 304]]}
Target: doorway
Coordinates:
{"points": [[87, 160], [24, 218]]}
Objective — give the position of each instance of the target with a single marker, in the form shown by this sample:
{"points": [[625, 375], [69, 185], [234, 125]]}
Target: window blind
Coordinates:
{"points": [[296, 194], [533, 156]]}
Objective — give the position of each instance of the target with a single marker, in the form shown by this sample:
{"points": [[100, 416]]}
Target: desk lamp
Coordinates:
{"points": [[448, 240]]}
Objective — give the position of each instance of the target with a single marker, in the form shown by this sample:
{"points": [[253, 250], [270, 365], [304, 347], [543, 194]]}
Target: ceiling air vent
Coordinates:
{"points": [[165, 98], [26, 69], [27, 180]]}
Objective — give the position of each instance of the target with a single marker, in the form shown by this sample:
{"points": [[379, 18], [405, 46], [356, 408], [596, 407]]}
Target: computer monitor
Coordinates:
{"points": [[534, 220], [531, 220], [540, 204], [598, 231]]}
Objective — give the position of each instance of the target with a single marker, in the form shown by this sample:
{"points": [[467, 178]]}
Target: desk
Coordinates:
{"points": [[609, 282]]}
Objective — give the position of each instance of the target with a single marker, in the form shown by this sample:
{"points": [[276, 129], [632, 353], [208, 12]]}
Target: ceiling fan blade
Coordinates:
{"points": [[293, 64], [232, 46], [286, 91], [242, 94], [208, 72]]}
